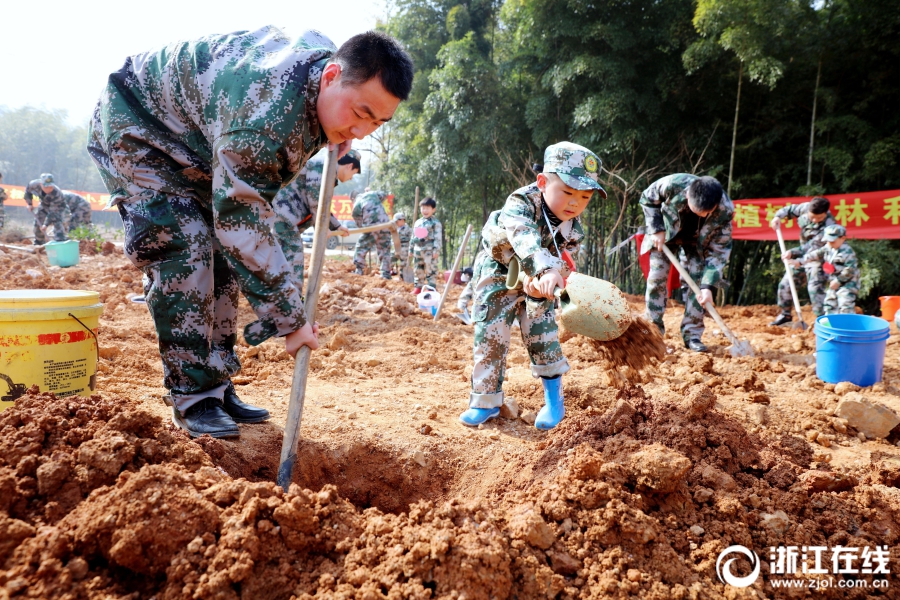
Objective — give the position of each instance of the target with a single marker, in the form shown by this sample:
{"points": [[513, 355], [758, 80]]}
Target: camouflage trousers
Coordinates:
{"points": [[692, 323], [288, 238], [49, 217], [381, 242], [815, 281], [81, 217], [425, 261], [467, 294], [191, 292], [495, 310], [841, 301]]}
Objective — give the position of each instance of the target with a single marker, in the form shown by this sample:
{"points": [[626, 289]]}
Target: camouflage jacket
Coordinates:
{"points": [[53, 201], [74, 201], [520, 228], [298, 201], [228, 118], [432, 241], [368, 209], [810, 232], [846, 265], [405, 234], [3, 196], [666, 200]]}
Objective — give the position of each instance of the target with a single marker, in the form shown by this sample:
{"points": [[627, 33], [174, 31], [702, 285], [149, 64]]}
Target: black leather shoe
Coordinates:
{"points": [[242, 412], [697, 346], [205, 417], [782, 319]]}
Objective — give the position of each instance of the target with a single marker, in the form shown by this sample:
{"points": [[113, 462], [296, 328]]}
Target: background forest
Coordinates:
{"points": [[773, 97]]}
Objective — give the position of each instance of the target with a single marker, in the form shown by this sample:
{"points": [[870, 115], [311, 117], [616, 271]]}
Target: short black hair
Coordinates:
{"points": [[429, 201], [705, 193], [819, 205], [376, 54], [537, 168], [349, 160]]}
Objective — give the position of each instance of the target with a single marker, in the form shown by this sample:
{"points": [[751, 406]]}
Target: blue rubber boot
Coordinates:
{"points": [[476, 416], [553, 411]]}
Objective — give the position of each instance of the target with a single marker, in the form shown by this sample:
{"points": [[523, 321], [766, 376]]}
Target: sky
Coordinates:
{"points": [[58, 54]]}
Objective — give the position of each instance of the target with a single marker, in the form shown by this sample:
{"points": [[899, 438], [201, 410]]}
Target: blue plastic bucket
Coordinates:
{"points": [[850, 348], [62, 254]]}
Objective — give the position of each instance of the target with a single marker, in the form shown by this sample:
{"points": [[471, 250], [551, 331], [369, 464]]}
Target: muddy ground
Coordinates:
{"points": [[633, 496]]}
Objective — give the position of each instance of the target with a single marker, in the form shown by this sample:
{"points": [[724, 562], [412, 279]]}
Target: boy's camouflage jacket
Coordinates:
{"points": [[664, 202], [34, 188], [846, 265], [520, 228], [810, 232], [433, 239], [298, 201], [368, 209]]}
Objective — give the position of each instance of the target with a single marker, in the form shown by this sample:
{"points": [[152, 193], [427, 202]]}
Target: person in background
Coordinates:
{"points": [[52, 211], [79, 211], [426, 244], [840, 264]]}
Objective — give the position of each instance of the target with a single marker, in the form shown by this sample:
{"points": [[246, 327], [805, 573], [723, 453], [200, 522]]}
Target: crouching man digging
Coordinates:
{"points": [[193, 142]]}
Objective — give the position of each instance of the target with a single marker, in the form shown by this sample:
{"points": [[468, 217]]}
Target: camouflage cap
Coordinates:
{"points": [[46, 178], [578, 167], [355, 155], [399, 216], [833, 232]]}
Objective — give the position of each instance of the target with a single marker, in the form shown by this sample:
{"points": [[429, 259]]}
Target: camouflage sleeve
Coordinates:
{"points": [[791, 211], [846, 267], [651, 201], [3, 196], [29, 194], [816, 255], [312, 199], [518, 217], [438, 235], [718, 251], [247, 169]]}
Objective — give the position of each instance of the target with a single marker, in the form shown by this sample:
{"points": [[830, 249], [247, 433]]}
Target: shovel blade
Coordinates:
{"points": [[594, 308], [741, 348]]}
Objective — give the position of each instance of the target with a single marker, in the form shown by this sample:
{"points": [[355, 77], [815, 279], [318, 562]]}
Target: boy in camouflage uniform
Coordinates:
{"points": [[79, 210], [537, 223], [193, 141], [52, 211], [296, 204], [368, 209], [840, 263], [426, 249], [812, 219], [404, 232], [694, 214], [3, 197]]}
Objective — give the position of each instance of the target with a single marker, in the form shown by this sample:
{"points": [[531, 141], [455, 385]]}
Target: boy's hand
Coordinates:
{"points": [[544, 286], [835, 284], [308, 335], [659, 239], [705, 297]]}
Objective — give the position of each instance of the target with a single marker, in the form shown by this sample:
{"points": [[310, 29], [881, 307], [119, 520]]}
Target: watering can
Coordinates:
{"points": [[589, 306]]}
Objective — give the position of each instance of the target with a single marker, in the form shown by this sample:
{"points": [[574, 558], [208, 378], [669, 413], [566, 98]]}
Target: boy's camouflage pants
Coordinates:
{"points": [[81, 217], [425, 260], [841, 301], [288, 238], [381, 242], [52, 217], [191, 292], [692, 323], [495, 310], [816, 283]]}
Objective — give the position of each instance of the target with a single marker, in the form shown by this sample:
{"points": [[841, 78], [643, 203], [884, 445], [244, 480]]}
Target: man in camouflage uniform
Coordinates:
{"points": [[52, 211], [404, 232], [193, 141], [537, 223], [368, 209], [692, 214], [812, 219], [79, 209], [296, 204], [3, 197], [427, 248], [840, 264]]}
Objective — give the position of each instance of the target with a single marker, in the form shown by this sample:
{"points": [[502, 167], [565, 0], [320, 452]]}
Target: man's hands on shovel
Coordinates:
{"points": [[308, 335]]}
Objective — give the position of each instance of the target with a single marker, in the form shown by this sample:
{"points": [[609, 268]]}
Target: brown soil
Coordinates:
{"points": [[634, 495]]}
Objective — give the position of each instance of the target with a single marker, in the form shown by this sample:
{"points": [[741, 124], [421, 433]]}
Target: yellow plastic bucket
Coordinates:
{"points": [[48, 338]]}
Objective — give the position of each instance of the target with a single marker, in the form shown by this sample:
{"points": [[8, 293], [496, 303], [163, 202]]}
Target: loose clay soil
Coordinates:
{"points": [[650, 476]]}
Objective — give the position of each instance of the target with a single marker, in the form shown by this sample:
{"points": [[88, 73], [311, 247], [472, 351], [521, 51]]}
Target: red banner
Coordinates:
{"points": [[342, 207], [866, 215]]}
